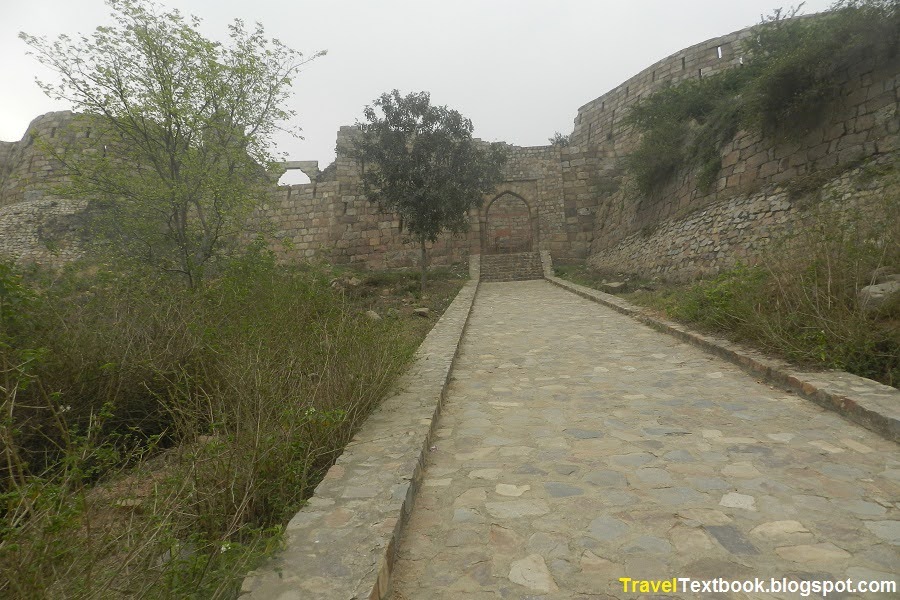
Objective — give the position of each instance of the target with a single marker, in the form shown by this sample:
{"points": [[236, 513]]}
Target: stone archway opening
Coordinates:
{"points": [[508, 225]]}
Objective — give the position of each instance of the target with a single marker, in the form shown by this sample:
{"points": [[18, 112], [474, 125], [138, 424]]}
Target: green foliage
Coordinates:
{"points": [[180, 124], [559, 139], [801, 300], [685, 125], [721, 302], [579, 273], [420, 162], [162, 435], [799, 63], [794, 72]]}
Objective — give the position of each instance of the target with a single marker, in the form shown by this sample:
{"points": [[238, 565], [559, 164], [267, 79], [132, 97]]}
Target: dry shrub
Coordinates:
{"points": [[810, 306], [802, 299], [155, 439]]}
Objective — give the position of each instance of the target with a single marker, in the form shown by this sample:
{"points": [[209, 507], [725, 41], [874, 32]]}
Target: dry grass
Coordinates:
{"points": [[156, 440]]}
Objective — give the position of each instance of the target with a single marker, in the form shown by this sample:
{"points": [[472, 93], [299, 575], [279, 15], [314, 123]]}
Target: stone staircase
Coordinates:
{"points": [[517, 266]]}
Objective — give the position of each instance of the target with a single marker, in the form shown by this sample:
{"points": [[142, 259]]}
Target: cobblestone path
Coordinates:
{"points": [[577, 446]]}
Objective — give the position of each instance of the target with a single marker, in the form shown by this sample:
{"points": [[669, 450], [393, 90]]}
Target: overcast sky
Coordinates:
{"points": [[518, 68]]}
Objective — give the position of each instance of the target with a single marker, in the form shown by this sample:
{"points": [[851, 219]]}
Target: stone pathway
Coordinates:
{"points": [[577, 446]]}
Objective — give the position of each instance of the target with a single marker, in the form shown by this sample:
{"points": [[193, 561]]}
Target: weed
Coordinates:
{"points": [[801, 300], [155, 439]]}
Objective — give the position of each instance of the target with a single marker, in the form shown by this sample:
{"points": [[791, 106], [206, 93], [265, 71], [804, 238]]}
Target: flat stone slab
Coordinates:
{"points": [[514, 509], [700, 469], [869, 403]]}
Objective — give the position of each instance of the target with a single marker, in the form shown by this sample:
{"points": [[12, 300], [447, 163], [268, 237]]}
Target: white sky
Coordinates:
{"points": [[518, 68]]}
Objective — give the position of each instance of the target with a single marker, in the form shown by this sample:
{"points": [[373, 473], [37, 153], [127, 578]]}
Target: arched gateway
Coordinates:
{"points": [[509, 225]]}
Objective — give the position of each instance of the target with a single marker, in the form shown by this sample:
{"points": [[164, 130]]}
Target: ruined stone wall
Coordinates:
{"points": [[331, 219], [591, 162], [579, 201], [46, 230], [863, 123], [534, 175], [744, 227], [28, 170], [6, 159], [36, 225]]}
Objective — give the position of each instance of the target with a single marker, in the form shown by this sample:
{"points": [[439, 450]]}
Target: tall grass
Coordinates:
{"points": [[154, 439], [801, 300]]}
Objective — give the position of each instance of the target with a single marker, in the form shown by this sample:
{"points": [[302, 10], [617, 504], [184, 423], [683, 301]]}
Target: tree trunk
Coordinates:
{"points": [[424, 266]]}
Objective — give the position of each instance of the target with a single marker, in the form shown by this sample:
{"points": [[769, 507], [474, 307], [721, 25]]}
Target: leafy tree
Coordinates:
{"points": [[181, 127], [421, 162], [559, 139]]}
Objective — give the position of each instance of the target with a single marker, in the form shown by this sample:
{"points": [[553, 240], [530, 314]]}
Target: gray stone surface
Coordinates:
{"points": [[869, 403], [801, 483], [874, 296]]}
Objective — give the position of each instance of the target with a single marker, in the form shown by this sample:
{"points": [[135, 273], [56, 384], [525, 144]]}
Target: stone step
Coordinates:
{"points": [[516, 266]]}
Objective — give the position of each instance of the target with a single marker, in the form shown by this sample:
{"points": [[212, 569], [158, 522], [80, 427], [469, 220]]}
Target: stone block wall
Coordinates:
{"points": [[6, 159], [536, 175], [330, 217], [743, 227], [599, 122], [591, 162], [35, 225], [42, 230], [864, 122], [28, 171], [579, 202]]}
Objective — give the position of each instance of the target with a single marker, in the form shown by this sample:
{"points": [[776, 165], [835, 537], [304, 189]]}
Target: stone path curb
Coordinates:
{"points": [[873, 405], [343, 543]]}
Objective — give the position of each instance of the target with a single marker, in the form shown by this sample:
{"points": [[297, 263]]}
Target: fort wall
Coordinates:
{"points": [[35, 224], [602, 209], [862, 123], [575, 201], [330, 218]]}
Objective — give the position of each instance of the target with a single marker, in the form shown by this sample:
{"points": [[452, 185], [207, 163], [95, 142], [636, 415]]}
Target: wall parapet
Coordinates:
{"points": [[344, 542], [599, 117]]}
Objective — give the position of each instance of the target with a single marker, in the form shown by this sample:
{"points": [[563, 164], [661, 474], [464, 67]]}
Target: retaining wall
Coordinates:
{"points": [[343, 543], [743, 228]]}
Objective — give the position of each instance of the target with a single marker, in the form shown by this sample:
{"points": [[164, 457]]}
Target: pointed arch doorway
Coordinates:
{"points": [[510, 225]]}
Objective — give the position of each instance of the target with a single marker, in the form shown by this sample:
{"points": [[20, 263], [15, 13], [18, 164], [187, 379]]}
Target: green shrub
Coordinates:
{"points": [[794, 72], [799, 63], [801, 301], [684, 126], [156, 438], [722, 302]]}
